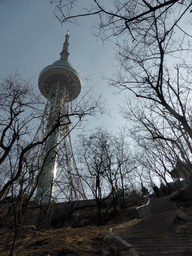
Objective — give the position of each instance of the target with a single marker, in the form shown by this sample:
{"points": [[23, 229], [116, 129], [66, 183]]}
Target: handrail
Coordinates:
{"points": [[144, 209], [144, 204]]}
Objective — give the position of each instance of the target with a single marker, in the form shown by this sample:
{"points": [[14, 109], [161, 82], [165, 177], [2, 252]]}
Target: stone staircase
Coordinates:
{"points": [[155, 235]]}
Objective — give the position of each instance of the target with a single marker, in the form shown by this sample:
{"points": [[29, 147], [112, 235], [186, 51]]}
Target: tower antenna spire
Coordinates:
{"points": [[64, 54]]}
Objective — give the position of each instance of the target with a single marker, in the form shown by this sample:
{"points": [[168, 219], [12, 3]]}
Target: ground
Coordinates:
{"points": [[80, 235], [87, 240], [65, 241]]}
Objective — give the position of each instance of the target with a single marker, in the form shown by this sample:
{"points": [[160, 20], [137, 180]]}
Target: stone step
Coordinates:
{"points": [[148, 243], [155, 235], [156, 239], [174, 253], [157, 248], [162, 249], [166, 237], [146, 230], [162, 207], [160, 252], [152, 226]]}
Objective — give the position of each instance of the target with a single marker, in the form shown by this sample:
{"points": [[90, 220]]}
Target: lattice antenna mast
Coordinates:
{"points": [[60, 84]]}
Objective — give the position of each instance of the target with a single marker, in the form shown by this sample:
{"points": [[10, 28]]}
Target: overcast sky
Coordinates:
{"points": [[32, 38]]}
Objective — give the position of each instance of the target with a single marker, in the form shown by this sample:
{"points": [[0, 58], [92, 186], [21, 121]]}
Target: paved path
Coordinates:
{"points": [[155, 235]]}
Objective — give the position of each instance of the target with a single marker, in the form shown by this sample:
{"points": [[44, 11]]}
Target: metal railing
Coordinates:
{"points": [[144, 209]]}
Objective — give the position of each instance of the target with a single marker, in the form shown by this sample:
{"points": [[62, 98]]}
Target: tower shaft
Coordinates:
{"points": [[45, 188], [76, 187]]}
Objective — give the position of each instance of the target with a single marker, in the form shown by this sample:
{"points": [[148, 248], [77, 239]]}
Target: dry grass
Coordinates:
{"points": [[49, 241], [87, 240]]}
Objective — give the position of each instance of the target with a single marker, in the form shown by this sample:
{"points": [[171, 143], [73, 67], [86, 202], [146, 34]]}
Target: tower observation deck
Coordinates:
{"points": [[60, 84]]}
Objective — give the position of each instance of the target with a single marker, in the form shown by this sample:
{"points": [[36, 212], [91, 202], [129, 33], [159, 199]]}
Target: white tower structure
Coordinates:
{"points": [[60, 84]]}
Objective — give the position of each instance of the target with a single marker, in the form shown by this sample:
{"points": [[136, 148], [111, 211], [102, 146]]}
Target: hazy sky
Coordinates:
{"points": [[32, 38]]}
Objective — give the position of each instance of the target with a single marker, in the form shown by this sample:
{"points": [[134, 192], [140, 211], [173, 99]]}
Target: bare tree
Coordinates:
{"points": [[133, 21], [118, 16], [21, 112], [106, 162], [153, 49], [19, 108], [161, 140]]}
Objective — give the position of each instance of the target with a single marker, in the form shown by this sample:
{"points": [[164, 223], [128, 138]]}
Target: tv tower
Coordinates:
{"points": [[60, 84]]}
